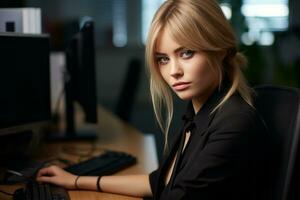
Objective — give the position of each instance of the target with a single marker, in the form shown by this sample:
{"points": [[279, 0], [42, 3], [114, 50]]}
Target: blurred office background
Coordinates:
{"points": [[268, 32]]}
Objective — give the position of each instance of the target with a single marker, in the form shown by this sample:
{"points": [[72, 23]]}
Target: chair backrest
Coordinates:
{"points": [[280, 108]]}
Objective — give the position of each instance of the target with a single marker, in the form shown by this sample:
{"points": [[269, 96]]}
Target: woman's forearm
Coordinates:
{"points": [[131, 185]]}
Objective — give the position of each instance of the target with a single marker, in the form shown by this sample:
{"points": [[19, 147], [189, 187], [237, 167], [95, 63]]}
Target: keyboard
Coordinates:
{"points": [[38, 191], [104, 164]]}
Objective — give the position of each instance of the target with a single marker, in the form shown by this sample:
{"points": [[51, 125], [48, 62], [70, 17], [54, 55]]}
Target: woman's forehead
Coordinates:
{"points": [[165, 42]]}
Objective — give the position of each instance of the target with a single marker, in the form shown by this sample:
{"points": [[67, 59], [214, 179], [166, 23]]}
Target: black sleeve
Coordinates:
{"points": [[153, 179], [222, 169]]}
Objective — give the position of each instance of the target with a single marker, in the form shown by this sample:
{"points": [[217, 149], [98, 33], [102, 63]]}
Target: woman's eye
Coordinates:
{"points": [[162, 60], [187, 54]]}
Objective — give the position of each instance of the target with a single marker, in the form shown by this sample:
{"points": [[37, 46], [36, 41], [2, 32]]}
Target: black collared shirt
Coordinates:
{"points": [[224, 157]]}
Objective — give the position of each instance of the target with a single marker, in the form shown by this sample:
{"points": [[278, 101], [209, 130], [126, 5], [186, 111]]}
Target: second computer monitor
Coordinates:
{"points": [[81, 81]]}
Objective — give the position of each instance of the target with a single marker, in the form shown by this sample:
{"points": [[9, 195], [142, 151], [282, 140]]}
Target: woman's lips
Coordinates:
{"points": [[180, 86]]}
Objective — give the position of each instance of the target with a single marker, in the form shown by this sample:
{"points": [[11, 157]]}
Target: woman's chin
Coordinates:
{"points": [[184, 97]]}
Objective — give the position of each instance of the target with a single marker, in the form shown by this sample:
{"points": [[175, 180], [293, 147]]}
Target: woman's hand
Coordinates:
{"points": [[58, 176]]}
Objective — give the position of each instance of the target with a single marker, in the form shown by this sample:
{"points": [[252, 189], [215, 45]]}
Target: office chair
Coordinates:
{"points": [[129, 90], [280, 108]]}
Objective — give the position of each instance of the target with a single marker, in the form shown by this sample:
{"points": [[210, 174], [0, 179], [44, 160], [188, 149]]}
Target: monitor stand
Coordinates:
{"points": [[71, 133], [81, 134]]}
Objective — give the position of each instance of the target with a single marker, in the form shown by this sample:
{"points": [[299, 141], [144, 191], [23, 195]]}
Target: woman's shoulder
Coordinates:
{"points": [[236, 105], [236, 113]]}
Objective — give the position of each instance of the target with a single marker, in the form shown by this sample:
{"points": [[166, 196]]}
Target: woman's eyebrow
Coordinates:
{"points": [[175, 51], [160, 54], [178, 49]]}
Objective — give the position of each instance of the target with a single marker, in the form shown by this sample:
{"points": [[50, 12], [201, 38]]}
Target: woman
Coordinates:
{"points": [[191, 50]]}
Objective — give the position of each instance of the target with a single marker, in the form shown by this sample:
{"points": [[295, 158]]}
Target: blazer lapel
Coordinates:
{"points": [[166, 162]]}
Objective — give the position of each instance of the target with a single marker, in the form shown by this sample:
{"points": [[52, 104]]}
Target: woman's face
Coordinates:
{"points": [[186, 71]]}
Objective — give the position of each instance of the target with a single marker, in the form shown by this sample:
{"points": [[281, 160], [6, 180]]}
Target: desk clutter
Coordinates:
{"points": [[81, 160], [84, 159]]}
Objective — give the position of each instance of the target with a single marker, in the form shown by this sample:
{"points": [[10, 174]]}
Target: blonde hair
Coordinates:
{"points": [[200, 26]]}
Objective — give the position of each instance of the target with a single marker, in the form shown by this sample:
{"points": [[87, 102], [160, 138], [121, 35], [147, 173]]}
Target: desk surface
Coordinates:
{"points": [[114, 134]]}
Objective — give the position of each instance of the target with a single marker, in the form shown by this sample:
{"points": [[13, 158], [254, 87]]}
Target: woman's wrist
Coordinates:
{"points": [[86, 183], [76, 186], [98, 185]]}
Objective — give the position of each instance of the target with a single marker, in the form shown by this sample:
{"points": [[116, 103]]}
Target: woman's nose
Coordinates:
{"points": [[176, 70]]}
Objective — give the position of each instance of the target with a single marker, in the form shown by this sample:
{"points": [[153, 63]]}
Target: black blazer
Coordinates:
{"points": [[224, 158]]}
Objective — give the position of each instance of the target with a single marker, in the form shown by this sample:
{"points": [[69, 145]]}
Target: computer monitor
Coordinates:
{"points": [[80, 83], [24, 83]]}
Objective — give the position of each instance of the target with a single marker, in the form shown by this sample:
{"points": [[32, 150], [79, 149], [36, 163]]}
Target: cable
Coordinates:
{"points": [[15, 172], [6, 193], [66, 78], [58, 101], [82, 152]]}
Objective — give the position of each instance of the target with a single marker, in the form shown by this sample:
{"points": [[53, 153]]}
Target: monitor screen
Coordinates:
{"points": [[24, 82]]}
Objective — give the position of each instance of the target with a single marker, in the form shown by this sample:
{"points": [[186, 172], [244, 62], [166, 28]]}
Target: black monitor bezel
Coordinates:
{"points": [[36, 125]]}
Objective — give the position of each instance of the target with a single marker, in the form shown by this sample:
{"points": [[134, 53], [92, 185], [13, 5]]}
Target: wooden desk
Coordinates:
{"points": [[114, 134]]}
